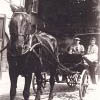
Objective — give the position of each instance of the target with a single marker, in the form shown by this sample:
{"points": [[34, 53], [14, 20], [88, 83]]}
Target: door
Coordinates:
{"points": [[2, 36]]}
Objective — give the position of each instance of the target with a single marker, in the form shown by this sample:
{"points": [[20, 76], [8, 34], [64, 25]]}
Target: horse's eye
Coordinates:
{"points": [[24, 26]]}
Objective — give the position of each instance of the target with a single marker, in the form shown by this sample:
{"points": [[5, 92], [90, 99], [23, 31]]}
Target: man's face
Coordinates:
{"points": [[76, 41], [92, 42]]}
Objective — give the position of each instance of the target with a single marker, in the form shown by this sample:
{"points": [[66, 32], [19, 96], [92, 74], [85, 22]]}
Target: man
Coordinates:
{"points": [[92, 57], [92, 52], [76, 47]]}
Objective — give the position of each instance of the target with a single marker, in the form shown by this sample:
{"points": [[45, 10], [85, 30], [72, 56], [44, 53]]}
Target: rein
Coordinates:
{"points": [[60, 66], [3, 48], [6, 44]]}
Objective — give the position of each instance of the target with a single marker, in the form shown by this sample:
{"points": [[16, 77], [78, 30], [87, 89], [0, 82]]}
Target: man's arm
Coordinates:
{"points": [[82, 49], [70, 50]]}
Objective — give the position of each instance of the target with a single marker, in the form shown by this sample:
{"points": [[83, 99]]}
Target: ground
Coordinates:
{"points": [[61, 90]]}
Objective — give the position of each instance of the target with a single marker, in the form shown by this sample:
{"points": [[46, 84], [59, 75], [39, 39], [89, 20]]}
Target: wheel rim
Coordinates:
{"points": [[34, 85], [83, 84]]}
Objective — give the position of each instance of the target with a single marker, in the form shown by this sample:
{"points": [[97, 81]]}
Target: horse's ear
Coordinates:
{"points": [[28, 17], [13, 8]]}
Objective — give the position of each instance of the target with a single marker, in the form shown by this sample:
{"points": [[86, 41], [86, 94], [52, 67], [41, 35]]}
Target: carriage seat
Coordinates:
{"points": [[70, 58], [89, 63]]}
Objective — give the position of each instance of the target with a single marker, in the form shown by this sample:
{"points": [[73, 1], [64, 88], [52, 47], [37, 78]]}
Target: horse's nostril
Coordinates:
{"points": [[19, 48]]}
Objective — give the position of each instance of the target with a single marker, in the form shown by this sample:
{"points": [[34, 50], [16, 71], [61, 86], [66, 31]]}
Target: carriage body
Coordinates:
{"points": [[79, 72], [75, 63], [85, 40], [71, 60]]}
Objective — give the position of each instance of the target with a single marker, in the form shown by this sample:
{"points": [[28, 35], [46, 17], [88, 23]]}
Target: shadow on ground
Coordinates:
{"points": [[61, 92]]}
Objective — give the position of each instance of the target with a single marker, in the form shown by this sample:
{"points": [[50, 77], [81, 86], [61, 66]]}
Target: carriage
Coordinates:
{"points": [[79, 72], [78, 76]]}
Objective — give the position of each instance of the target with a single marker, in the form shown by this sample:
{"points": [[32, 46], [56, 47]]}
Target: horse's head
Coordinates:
{"points": [[20, 30]]}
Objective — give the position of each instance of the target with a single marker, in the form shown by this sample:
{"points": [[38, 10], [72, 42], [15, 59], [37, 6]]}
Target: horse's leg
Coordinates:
{"points": [[13, 80], [52, 82], [57, 77], [26, 91], [39, 84]]}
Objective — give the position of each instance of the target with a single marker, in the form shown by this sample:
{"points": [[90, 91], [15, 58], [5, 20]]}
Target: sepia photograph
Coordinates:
{"points": [[49, 49]]}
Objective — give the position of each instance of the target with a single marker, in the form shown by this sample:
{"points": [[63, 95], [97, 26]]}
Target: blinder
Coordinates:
{"points": [[22, 24]]}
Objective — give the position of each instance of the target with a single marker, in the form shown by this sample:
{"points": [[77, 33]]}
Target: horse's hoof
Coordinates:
{"points": [[37, 98], [50, 97], [26, 98]]}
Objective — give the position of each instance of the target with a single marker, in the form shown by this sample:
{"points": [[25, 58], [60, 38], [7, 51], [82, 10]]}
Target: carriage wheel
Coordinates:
{"points": [[44, 80], [83, 84], [72, 80], [34, 84]]}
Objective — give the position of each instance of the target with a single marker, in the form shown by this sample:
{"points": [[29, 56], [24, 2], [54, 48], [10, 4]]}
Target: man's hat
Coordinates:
{"points": [[77, 38], [93, 38]]}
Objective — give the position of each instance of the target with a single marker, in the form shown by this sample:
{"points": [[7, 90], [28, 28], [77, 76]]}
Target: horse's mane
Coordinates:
{"points": [[47, 40]]}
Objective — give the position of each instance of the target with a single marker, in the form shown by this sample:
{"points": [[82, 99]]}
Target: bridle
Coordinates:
{"points": [[22, 37]]}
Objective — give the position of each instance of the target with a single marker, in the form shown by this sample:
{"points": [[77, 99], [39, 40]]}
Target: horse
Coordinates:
{"points": [[30, 52]]}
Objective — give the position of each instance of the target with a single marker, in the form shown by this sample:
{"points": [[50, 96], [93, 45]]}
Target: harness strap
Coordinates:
{"points": [[60, 66], [3, 48]]}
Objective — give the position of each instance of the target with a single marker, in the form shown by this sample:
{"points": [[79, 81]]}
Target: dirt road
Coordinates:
{"points": [[61, 91]]}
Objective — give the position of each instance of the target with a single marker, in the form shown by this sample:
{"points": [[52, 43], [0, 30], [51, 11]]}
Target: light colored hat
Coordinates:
{"points": [[93, 38], [76, 38]]}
